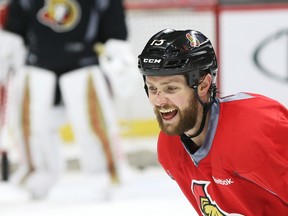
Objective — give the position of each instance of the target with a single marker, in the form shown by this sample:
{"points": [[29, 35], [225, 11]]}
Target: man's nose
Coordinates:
{"points": [[160, 98]]}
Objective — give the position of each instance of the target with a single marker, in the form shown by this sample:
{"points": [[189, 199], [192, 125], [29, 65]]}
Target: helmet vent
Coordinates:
{"points": [[178, 63], [155, 50], [175, 51]]}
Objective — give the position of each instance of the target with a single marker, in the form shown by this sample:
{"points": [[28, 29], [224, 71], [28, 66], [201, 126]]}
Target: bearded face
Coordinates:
{"points": [[183, 119]]}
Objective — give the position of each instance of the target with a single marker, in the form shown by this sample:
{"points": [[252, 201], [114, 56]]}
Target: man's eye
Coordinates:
{"points": [[171, 89], [152, 89]]}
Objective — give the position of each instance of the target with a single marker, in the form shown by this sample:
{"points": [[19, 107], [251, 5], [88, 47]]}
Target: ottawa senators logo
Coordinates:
{"points": [[194, 42], [60, 15], [207, 206]]}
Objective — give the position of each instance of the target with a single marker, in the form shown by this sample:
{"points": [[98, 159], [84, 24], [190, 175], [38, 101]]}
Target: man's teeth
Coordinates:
{"points": [[167, 111]]}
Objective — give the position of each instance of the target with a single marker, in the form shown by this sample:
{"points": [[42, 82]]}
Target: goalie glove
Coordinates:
{"points": [[120, 65]]}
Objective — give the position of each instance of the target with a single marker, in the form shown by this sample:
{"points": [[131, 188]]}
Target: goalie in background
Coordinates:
{"points": [[60, 36]]}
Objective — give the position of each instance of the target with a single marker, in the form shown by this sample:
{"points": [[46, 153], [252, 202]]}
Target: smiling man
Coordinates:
{"points": [[170, 94], [228, 155]]}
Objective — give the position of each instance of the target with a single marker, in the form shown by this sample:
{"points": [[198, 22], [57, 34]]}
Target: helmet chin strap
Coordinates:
{"points": [[206, 108]]}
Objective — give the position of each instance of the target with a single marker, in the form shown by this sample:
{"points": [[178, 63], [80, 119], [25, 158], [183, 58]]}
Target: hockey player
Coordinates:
{"points": [[228, 155], [60, 36]]}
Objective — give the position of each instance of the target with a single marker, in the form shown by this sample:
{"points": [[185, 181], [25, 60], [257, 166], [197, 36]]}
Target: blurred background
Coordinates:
{"points": [[250, 38]]}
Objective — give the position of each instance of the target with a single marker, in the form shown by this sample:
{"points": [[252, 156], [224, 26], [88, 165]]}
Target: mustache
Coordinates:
{"points": [[164, 107]]}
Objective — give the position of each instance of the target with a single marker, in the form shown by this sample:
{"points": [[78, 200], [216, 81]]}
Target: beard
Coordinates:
{"points": [[187, 118]]}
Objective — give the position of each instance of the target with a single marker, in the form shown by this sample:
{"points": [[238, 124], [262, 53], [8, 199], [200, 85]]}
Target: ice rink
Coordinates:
{"points": [[142, 192], [148, 192]]}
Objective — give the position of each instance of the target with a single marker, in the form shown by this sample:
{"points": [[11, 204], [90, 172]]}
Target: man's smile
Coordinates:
{"points": [[168, 114]]}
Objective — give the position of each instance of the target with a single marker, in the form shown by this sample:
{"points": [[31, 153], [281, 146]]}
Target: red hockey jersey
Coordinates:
{"points": [[242, 168]]}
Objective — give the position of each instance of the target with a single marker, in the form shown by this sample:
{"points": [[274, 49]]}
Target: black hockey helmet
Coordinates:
{"points": [[171, 52]]}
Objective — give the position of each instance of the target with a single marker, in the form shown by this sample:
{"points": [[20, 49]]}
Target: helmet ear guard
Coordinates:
{"points": [[145, 86]]}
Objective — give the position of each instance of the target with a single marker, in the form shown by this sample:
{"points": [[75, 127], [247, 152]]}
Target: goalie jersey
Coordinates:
{"points": [[242, 168], [61, 34]]}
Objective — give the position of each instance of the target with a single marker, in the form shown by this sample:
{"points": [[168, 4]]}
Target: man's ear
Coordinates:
{"points": [[203, 87]]}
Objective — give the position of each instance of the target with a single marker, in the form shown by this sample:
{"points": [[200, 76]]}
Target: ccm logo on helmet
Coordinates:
{"points": [[151, 61]]}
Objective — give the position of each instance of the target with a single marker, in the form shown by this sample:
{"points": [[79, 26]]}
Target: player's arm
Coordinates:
{"points": [[112, 22], [272, 174], [17, 17], [280, 167]]}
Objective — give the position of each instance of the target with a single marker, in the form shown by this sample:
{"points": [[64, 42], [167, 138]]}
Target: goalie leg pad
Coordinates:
{"points": [[90, 110]]}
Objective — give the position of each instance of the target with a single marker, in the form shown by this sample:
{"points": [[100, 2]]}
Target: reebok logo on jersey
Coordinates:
{"points": [[223, 181]]}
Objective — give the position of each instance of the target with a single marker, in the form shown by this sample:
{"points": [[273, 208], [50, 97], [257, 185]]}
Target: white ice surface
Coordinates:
{"points": [[142, 193]]}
